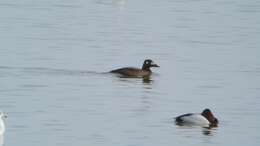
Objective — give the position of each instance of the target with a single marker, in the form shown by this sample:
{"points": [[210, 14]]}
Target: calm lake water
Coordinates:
{"points": [[54, 57]]}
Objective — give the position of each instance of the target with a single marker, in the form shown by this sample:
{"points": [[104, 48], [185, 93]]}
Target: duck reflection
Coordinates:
{"points": [[147, 80], [208, 131]]}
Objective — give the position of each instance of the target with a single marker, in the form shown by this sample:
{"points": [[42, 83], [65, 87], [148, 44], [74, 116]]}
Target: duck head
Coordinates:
{"points": [[210, 117], [148, 63]]}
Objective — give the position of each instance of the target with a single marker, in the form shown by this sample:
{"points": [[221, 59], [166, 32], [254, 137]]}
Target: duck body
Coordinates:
{"points": [[205, 119], [192, 119], [132, 72], [136, 72]]}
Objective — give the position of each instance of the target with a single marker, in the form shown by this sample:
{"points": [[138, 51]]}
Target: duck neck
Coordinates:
{"points": [[146, 68], [210, 118]]}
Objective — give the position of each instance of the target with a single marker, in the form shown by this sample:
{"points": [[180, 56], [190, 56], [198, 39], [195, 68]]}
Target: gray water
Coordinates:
{"points": [[54, 56]]}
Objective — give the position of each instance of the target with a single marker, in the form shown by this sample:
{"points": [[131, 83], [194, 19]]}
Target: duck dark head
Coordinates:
{"points": [[210, 117], [148, 63]]}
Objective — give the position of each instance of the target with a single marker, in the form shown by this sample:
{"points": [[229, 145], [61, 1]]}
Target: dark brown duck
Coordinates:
{"points": [[137, 72]]}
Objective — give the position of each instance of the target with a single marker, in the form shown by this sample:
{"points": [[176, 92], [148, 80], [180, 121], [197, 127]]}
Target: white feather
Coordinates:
{"points": [[195, 119], [2, 124]]}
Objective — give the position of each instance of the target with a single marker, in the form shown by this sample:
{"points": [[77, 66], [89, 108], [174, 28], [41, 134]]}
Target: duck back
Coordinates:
{"points": [[192, 119], [132, 72]]}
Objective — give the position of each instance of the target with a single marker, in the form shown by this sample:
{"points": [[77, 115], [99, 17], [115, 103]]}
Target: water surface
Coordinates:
{"points": [[54, 57]]}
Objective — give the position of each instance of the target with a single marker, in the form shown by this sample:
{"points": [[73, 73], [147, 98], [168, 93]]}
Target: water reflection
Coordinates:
{"points": [[119, 3], [208, 131], [145, 80]]}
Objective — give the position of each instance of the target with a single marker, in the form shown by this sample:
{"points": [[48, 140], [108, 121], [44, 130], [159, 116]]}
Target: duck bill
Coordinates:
{"points": [[155, 65]]}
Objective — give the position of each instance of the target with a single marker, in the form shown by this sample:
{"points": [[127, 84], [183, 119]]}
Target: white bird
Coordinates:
{"points": [[2, 124]]}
